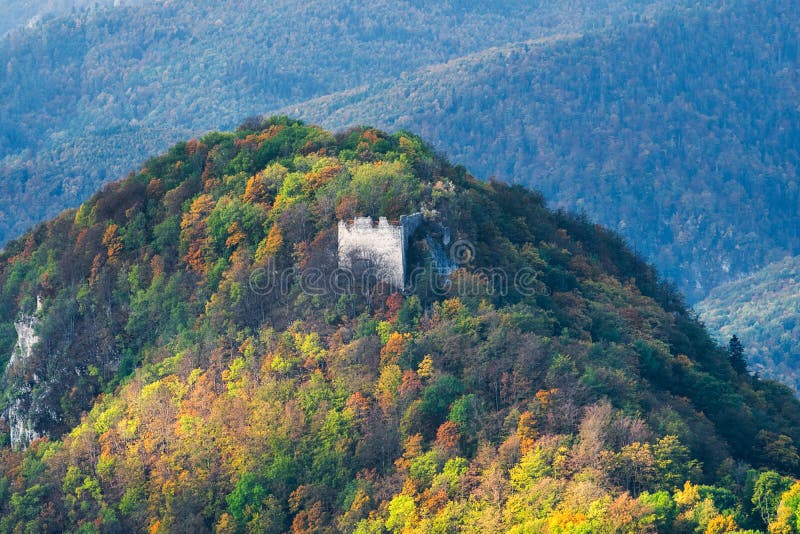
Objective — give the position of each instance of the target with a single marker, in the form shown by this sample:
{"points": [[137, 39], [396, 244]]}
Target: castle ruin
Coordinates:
{"points": [[381, 246]]}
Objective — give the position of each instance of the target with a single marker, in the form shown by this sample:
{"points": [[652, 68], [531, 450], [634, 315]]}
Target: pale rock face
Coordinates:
{"points": [[26, 339], [22, 431], [17, 416]]}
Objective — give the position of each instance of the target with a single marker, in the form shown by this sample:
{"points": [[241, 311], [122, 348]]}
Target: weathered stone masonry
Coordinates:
{"points": [[380, 246]]}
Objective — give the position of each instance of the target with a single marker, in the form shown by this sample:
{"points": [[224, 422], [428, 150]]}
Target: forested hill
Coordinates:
{"points": [[194, 372], [681, 132], [86, 96], [761, 309]]}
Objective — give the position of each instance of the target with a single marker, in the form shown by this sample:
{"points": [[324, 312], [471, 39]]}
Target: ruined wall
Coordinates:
{"points": [[381, 246]]}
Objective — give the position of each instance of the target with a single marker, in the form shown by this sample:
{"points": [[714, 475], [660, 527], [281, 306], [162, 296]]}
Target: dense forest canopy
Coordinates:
{"points": [[175, 393], [680, 133]]}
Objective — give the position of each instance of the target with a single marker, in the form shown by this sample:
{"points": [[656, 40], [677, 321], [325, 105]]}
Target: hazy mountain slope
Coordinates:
{"points": [[16, 13], [85, 97], [763, 310], [681, 133], [581, 396]]}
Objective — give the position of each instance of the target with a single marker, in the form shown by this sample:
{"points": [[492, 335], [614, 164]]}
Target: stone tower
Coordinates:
{"points": [[381, 246]]}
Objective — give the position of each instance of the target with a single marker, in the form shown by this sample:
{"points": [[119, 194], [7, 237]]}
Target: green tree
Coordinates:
{"points": [[736, 355], [674, 463], [767, 492], [247, 499]]}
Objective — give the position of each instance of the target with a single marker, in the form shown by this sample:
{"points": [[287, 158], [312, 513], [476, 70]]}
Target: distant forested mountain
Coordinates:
{"points": [[85, 97], [681, 133], [763, 310], [16, 13]]}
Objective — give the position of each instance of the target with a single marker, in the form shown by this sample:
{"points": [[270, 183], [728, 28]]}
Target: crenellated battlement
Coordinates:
{"points": [[365, 243]]}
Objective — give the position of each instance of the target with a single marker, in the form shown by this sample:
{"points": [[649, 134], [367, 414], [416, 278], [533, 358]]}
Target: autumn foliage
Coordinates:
{"points": [[176, 397]]}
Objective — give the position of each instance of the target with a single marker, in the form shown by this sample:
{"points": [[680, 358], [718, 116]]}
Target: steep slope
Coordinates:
{"points": [[681, 133], [763, 310], [550, 383], [86, 96]]}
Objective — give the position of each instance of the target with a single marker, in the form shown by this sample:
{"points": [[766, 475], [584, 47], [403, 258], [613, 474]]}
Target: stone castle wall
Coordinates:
{"points": [[380, 246]]}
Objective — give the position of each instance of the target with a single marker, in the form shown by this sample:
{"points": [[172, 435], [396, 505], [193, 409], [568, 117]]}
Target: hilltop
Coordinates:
{"points": [[678, 131], [194, 372], [624, 110]]}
